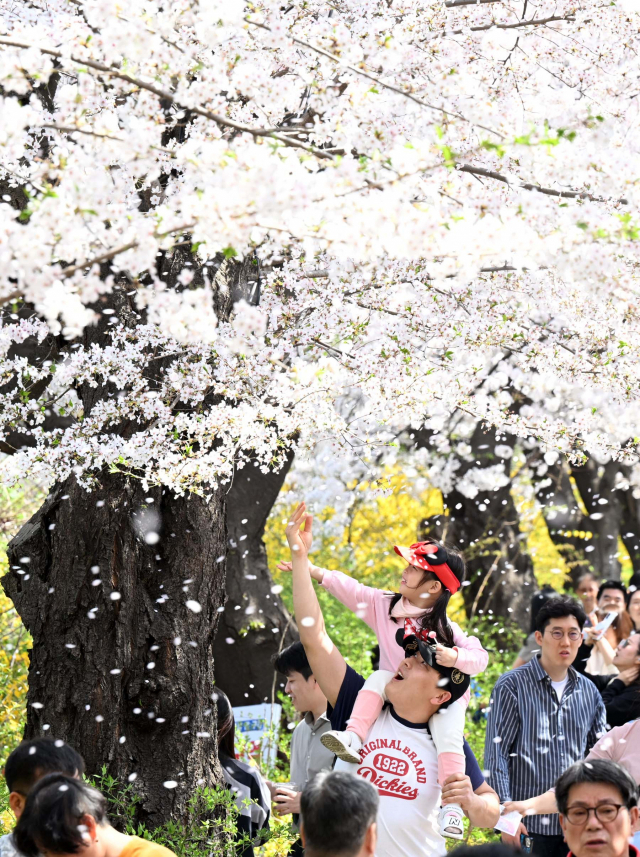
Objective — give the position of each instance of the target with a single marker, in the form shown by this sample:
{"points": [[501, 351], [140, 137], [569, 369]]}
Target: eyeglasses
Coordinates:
{"points": [[605, 813], [574, 634]]}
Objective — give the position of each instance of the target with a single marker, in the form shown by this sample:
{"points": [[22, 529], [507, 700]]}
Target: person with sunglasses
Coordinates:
{"points": [[543, 717], [598, 808]]}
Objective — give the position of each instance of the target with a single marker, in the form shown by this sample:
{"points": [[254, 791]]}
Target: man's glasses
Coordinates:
{"points": [[605, 813], [574, 634]]}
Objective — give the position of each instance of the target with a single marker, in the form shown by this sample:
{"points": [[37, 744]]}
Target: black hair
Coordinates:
{"points": [[436, 617], [596, 771], [489, 849], [558, 608], [52, 813], [336, 810], [538, 600], [588, 575], [293, 659], [33, 759], [611, 584], [226, 723]]}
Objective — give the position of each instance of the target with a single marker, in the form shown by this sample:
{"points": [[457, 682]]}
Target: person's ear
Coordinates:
{"points": [[303, 835], [17, 802], [563, 825], [91, 831], [634, 815], [370, 840], [442, 697], [538, 637]]}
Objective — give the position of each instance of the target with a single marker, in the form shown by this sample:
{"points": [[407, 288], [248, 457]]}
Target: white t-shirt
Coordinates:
{"points": [[401, 761], [559, 687]]}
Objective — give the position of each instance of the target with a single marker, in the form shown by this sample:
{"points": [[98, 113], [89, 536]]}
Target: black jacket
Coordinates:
{"points": [[622, 701]]}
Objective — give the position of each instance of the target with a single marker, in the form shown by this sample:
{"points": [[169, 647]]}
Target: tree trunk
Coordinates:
{"points": [[597, 486], [255, 624], [564, 517], [630, 506], [126, 680], [485, 528]]}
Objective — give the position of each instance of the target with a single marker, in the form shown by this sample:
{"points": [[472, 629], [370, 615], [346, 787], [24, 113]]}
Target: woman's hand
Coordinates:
{"points": [[629, 676], [520, 806], [445, 656], [300, 539], [315, 572], [592, 635]]}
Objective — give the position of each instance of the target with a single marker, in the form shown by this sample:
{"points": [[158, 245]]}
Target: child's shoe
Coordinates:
{"points": [[450, 821], [346, 745]]}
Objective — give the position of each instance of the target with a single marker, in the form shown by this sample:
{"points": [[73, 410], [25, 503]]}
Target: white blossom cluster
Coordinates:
{"points": [[444, 195]]}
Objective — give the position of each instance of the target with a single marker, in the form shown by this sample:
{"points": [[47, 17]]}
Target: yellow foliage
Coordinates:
{"points": [[16, 505]]}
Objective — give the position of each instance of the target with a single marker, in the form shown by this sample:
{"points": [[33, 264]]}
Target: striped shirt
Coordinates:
{"points": [[532, 738]]}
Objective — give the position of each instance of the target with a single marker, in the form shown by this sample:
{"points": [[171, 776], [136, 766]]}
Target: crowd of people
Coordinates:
{"points": [[381, 766]]}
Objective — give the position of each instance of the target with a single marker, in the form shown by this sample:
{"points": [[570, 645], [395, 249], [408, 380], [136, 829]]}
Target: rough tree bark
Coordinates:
{"points": [[564, 518], [91, 679], [486, 529], [597, 486], [254, 619]]}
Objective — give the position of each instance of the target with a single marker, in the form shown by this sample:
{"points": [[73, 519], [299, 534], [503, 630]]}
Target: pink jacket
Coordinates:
{"points": [[372, 606]]}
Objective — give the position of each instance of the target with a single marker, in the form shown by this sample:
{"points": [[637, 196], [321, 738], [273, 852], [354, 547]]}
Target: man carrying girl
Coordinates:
{"points": [[398, 752]]}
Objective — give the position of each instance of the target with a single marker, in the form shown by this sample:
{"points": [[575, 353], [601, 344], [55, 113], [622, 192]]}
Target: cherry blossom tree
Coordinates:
{"points": [[221, 226]]}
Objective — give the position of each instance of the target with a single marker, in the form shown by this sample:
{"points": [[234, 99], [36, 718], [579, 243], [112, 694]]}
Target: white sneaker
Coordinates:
{"points": [[346, 745], [450, 821]]}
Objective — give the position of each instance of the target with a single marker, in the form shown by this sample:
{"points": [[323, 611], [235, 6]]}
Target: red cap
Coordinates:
{"points": [[425, 555]]}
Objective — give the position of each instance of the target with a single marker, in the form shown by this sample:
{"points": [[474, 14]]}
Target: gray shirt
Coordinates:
{"points": [[308, 756]]}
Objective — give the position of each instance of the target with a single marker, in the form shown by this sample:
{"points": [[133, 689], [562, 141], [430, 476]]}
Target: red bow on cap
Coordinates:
{"points": [[418, 554]]}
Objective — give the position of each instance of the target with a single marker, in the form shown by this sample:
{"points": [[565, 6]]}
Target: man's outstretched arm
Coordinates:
{"points": [[326, 662]]}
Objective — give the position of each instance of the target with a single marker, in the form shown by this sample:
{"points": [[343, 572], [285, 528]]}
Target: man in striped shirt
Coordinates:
{"points": [[544, 716]]}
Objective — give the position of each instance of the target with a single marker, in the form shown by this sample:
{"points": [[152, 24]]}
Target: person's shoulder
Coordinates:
{"points": [[512, 679], [138, 847], [587, 685]]}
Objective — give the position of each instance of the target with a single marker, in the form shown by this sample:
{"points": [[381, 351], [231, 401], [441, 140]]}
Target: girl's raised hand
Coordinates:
{"points": [[300, 539]]}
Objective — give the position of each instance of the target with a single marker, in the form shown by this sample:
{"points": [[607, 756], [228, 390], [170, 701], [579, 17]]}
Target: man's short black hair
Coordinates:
{"points": [[52, 813], [33, 759], [558, 608], [336, 810], [611, 584], [596, 771], [293, 659]]}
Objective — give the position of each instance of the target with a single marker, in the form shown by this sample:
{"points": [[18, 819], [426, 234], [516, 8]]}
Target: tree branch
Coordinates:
{"points": [[223, 121], [534, 22], [378, 80], [565, 194]]}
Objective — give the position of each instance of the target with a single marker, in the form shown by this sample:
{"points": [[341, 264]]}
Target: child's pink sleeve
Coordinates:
{"points": [[366, 602], [472, 658]]}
